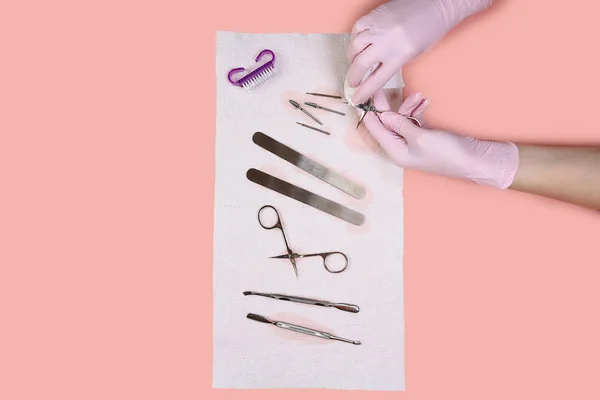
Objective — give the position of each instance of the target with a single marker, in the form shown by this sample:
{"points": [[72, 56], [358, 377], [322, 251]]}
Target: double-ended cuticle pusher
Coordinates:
{"points": [[315, 302], [299, 329]]}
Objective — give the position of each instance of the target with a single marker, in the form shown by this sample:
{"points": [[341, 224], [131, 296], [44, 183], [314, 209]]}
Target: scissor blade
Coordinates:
{"points": [[293, 261], [282, 256], [365, 109], [361, 118], [292, 258]]}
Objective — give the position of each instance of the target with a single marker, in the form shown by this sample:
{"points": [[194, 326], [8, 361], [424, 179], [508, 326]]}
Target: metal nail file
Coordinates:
{"points": [[312, 167], [304, 196]]}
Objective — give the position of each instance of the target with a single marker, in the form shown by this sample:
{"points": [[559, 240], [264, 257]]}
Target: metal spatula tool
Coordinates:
{"points": [[312, 167], [304, 196]]}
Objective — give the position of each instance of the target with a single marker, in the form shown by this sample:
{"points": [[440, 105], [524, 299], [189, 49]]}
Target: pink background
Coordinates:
{"points": [[107, 124]]}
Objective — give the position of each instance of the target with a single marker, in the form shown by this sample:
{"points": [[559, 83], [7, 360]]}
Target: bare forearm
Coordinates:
{"points": [[570, 174]]}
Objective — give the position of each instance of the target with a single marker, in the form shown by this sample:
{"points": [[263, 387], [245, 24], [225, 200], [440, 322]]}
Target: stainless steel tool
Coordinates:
{"points": [[324, 95], [315, 105], [304, 196], [365, 109], [332, 267], [299, 107], [278, 225], [315, 302], [299, 329], [312, 167], [313, 128], [369, 107]]}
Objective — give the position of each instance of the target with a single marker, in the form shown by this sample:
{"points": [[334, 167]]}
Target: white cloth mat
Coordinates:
{"points": [[249, 354]]}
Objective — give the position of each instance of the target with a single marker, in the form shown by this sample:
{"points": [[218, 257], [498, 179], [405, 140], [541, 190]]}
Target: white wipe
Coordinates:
{"points": [[349, 91], [249, 354]]}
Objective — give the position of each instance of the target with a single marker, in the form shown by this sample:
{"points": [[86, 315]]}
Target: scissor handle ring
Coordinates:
{"points": [[415, 121], [277, 223], [325, 255]]}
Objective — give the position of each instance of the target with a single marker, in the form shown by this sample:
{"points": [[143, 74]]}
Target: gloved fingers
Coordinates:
{"points": [[373, 83], [414, 106], [388, 140], [362, 24], [380, 101], [401, 125], [363, 63], [410, 104], [359, 43], [417, 112]]}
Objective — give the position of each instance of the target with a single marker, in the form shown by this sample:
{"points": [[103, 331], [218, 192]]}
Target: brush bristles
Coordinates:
{"points": [[259, 79]]}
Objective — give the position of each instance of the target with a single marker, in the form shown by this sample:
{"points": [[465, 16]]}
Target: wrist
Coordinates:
{"points": [[496, 165]]}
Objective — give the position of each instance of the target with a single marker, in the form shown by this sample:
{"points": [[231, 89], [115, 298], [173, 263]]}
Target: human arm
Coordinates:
{"points": [[570, 174], [396, 32]]}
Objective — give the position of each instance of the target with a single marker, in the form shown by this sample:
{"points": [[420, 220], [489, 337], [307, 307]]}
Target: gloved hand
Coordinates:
{"points": [[395, 33], [443, 153]]}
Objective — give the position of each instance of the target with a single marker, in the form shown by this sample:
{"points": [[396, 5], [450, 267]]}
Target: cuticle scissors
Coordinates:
{"points": [[291, 255], [368, 106]]}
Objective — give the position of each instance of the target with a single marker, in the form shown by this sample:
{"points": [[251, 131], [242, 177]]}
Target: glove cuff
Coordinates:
{"points": [[497, 166], [457, 10]]}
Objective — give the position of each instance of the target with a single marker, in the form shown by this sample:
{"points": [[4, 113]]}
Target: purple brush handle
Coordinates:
{"points": [[256, 72]]}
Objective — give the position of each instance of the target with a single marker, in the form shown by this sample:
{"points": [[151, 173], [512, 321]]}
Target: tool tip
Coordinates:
{"points": [[294, 103], [247, 292], [259, 318]]}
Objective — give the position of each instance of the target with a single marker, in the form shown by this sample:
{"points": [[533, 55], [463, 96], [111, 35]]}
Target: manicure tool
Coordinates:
{"points": [[300, 329], [257, 76], [299, 107], [304, 196], [340, 306], [291, 255], [315, 105], [312, 167], [365, 109], [368, 106], [313, 128], [324, 95], [279, 226]]}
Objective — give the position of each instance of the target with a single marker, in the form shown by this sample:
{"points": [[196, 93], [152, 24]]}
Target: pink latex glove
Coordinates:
{"points": [[443, 153], [395, 33]]}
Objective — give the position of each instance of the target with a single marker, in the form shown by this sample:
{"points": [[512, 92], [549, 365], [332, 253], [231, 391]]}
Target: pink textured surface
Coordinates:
{"points": [[106, 167]]}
